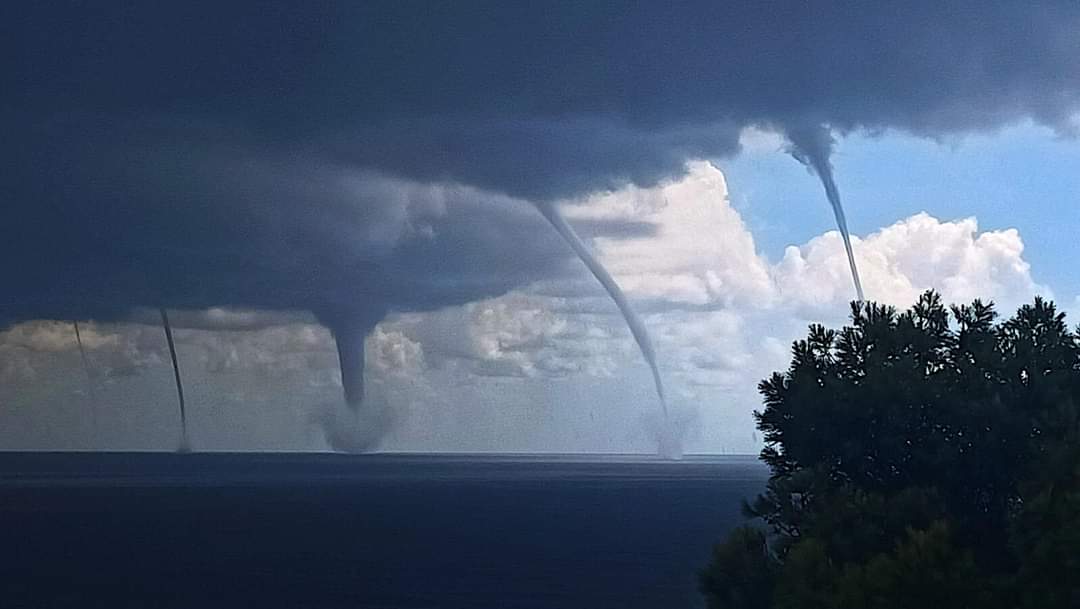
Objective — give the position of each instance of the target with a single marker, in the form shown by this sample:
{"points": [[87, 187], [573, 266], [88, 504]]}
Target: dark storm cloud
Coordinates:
{"points": [[344, 157], [160, 212]]}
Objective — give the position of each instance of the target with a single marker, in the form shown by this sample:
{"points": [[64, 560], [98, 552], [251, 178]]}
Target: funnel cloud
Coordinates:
{"points": [[184, 442], [813, 147], [89, 377], [633, 322]]}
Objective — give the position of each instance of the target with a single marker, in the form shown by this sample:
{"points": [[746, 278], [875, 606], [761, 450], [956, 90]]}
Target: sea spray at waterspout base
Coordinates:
{"points": [[354, 427]]}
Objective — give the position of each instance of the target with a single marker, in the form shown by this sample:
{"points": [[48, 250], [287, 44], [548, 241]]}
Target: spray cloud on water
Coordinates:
{"points": [[812, 146], [349, 428]]}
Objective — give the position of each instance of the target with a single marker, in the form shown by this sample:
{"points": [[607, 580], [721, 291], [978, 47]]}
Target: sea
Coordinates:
{"points": [[374, 531]]}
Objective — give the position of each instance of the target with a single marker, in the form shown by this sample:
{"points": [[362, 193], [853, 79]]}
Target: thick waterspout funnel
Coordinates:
{"points": [[350, 329]]}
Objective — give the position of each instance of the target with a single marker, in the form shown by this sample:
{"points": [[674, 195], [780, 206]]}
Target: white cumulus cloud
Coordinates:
{"points": [[529, 370]]}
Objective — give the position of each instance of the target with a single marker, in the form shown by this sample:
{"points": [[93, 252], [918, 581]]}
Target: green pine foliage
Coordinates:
{"points": [[925, 458]]}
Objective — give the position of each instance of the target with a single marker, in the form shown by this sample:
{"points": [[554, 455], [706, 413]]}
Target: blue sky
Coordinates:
{"points": [[1023, 177]]}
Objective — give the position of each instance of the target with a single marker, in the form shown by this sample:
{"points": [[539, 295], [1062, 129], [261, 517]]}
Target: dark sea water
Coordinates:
{"points": [[374, 531]]}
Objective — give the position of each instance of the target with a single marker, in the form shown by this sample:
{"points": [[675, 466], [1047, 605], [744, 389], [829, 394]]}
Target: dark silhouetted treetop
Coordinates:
{"points": [[920, 458]]}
